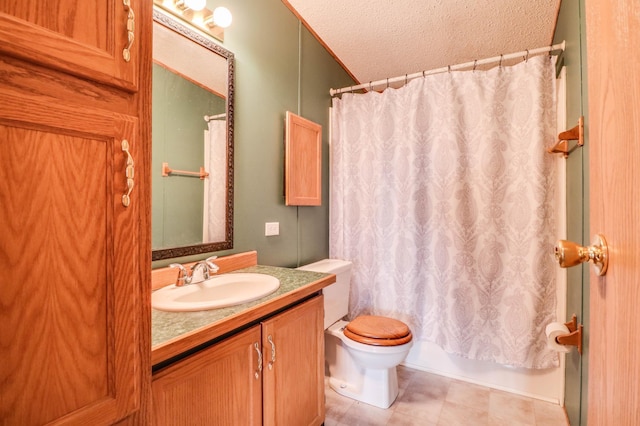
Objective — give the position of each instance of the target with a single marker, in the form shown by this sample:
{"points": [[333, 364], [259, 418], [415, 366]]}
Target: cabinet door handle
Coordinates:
{"points": [[131, 28], [257, 348], [273, 352], [129, 172]]}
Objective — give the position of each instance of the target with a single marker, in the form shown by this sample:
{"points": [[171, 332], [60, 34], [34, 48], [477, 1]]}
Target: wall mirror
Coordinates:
{"points": [[192, 147]]}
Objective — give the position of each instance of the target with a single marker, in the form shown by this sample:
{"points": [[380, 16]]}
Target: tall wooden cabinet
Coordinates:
{"points": [[271, 374], [74, 255]]}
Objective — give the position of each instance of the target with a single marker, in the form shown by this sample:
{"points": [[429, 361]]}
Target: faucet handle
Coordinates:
{"points": [[213, 268], [183, 274]]}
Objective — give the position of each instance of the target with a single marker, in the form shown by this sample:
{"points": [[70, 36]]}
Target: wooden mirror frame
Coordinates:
{"points": [[189, 33]]}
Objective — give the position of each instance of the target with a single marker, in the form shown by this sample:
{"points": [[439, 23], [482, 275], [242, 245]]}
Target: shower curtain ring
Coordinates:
{"points": [[387, 82], [449, 69], [424, 75], [526, 58], [500, 64], [406, 80], [370, 86], [475, 62]]}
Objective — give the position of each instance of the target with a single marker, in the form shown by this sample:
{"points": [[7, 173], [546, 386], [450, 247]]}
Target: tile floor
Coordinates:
{"points": [[430, 400]]}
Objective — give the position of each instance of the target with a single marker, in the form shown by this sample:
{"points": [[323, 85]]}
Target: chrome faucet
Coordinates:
{"points": [[208, 268], [186, 274]]}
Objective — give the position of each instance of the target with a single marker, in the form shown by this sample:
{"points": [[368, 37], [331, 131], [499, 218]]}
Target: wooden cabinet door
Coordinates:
{"points": [[85, 38], [220, 385], [613, 41], [69, 299], [293, 347], [302, 161]]}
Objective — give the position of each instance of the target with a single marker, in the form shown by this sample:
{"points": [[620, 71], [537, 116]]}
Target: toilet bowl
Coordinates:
{"points": [[361, 355]]}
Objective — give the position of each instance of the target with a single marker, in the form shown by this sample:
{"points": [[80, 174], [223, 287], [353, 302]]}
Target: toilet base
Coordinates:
{"points": [[376, 387]]}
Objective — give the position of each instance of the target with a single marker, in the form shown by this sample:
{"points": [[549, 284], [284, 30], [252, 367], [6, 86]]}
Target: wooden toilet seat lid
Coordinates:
{"points": [[378, 331]]}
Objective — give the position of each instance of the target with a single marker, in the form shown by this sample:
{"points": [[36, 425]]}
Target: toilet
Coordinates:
{"points": [[362, 354]]}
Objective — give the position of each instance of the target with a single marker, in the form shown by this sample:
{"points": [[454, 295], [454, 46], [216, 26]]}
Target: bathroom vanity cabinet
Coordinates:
{"points": [[271, 373], [215, 386], [75, 259]]}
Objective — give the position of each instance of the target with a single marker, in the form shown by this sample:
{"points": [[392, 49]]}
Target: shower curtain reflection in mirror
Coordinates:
{"points": [[215, 150], [443, 196]]}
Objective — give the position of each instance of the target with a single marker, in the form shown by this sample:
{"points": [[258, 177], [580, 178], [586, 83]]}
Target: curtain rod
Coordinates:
{"points": [[524, 54]]}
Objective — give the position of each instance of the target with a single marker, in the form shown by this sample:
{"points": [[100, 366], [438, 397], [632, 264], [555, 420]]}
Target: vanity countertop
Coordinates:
{"points": [[173, 333]]}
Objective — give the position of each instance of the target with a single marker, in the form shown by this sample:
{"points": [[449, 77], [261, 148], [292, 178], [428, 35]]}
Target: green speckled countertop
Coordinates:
{"points": [[168, 326]]}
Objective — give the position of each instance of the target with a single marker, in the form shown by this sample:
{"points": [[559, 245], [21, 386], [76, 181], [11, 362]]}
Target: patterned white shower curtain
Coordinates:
{"points": [[442, 195], [215, 163]]}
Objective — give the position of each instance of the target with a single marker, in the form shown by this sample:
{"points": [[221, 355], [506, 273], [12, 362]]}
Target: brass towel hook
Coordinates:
{"points": [[574, 134]]}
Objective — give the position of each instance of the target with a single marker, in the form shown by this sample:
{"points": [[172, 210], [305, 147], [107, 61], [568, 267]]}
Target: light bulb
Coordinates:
{"points": [[195, 4], [222, 17]]}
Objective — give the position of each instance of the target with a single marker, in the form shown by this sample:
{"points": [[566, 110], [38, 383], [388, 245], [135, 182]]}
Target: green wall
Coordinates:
{"points": [[178, 139], [279, 67], [570, 27]]}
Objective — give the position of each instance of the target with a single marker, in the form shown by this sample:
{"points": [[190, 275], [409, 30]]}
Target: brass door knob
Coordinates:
{"points": [[571, 254]]}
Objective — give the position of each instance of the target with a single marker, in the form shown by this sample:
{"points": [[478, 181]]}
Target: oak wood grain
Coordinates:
{"points": [[217, 385], [67, 246], [293, 347], [613, 37], [74, 342], [36, 311], [378, 331], [82, 38], [303, 161]]}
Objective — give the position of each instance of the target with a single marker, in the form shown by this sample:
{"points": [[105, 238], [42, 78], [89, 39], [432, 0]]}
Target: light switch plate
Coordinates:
{"points": [[271, 228]]}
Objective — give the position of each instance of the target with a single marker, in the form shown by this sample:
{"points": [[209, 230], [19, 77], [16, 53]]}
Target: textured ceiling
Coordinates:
{"points": [[377, 39]]}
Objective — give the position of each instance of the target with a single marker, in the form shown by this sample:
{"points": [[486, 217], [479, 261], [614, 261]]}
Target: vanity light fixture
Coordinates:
{"points": [[222, 17], [193, 4], [198, 15]]}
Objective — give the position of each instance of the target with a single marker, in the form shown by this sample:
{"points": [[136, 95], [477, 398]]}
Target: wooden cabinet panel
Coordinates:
{"points": [[85, 38], [69, 301], [217, 385], [293, 346], [613, 31], [75, 262], [303, 161]]}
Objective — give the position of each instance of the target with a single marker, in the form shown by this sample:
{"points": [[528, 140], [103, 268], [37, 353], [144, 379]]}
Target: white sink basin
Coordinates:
{"points": [[217, 292]]}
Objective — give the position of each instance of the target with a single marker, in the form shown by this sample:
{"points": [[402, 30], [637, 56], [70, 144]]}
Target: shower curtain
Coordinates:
{"points": [[215, 162], [442, 195]]}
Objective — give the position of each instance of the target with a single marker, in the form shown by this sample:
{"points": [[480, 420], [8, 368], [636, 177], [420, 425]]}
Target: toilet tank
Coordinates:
{"points": [[336, 296]]}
